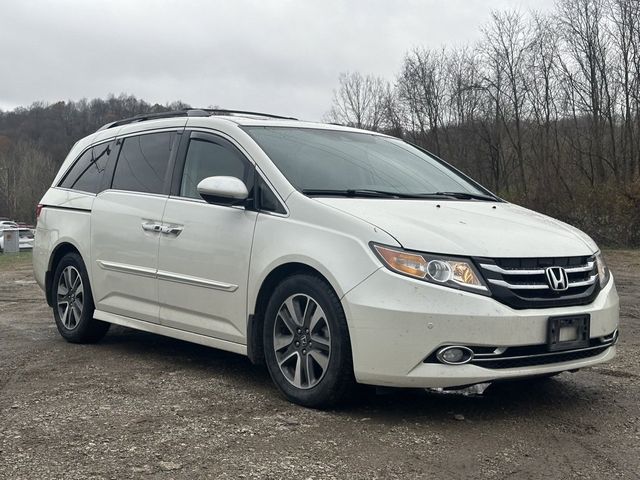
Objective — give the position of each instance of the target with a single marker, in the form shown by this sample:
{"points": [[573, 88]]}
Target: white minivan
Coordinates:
{"points": [[335, 256]]}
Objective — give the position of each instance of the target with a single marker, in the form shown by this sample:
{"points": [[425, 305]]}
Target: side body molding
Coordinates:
{"points": [[169, 276]]}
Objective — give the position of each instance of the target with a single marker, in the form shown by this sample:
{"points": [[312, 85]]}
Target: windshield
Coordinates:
{"points": [[317, 161]]}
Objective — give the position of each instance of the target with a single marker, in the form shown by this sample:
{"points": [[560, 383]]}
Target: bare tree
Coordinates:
{"points": [[543, 87], [624, 16], [506, 44], [586, 71], [360, 101], [421, 86]]}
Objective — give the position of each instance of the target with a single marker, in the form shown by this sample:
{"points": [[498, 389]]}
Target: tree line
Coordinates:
{"points": [[544, 110]]}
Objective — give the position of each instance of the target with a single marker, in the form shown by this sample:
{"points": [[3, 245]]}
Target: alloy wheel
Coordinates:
{"points": [[302, 341], [70, 297]]}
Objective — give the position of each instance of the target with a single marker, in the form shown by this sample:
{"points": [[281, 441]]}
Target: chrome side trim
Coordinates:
{"points": [[196, 281], [168, 276], [125, 268], [539, 286], [539, 271]]}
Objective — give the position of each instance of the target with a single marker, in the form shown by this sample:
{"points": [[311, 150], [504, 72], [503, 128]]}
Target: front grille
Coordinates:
{"points": [[522, 282]]}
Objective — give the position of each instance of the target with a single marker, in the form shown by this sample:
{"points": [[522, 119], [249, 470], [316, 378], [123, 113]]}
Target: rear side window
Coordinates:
{"points": [[142, 163], [86, 173], [210, 159]]}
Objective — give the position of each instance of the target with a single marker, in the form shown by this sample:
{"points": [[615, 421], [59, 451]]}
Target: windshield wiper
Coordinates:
{"points": [[364, 192], [465, 196]]}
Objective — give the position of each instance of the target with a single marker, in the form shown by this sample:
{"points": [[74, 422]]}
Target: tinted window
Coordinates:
{"points": [[142, 163], [339, 160], [210, 159], [81, 166], [90, 180], [267, 200]]}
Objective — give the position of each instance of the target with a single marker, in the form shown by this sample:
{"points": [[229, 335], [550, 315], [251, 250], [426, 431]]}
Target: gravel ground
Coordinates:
{"points": [[138, 405]]}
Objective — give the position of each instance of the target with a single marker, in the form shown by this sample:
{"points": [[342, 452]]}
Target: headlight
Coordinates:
{"points": [[603, 271], [442, 270]]}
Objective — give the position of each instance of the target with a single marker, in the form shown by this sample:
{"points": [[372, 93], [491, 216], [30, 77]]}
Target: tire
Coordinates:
{"points": [[73, 307], [312, 366]]}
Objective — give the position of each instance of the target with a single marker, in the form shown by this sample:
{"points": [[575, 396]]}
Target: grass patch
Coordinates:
{"points": [[9, 261]]}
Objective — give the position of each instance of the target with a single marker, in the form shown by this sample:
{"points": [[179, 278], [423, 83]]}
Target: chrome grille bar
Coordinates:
{"points": [[529, 286], [585, 268], [540, 286], [538, 271]]}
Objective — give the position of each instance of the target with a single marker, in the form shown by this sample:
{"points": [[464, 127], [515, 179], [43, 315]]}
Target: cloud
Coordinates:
{"points": [[282, 56]]}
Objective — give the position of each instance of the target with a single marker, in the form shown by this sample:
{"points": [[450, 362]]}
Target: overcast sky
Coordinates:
{"points": [[277, 56]]}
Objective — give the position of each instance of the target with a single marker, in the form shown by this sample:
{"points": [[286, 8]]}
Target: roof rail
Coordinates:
{"points": [[153, 116], [192, 112], [222, 111]]}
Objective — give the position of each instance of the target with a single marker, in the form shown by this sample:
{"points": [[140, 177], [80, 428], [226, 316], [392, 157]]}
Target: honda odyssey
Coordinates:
{"points": [[333, 255]]}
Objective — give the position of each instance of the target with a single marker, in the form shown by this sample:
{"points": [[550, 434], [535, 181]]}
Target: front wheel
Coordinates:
{"points": [[306, 342], [73, 302]]}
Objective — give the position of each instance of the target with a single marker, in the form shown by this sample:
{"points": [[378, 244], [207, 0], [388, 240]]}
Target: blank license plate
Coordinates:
{"points": [[568, 333]]}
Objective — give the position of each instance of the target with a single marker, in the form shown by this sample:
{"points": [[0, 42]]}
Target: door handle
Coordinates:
{"points": [[171, 230], [151, 227]]}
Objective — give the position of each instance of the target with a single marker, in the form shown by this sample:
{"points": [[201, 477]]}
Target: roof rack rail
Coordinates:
{"points": [[153, 116], [191, 112], [223, 111]]}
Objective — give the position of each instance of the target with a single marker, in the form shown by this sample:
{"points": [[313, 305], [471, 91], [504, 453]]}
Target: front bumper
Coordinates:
{"points": [[395, 323]]}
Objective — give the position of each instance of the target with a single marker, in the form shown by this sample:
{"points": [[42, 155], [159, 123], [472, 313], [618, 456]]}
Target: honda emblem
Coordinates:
{"points": [[557, 278]]}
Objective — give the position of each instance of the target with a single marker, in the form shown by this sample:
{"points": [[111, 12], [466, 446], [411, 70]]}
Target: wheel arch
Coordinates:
{"points": [[57, 254], [255, 324]]}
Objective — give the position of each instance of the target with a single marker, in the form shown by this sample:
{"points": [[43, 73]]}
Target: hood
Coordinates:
{"points": [[468, 228]]}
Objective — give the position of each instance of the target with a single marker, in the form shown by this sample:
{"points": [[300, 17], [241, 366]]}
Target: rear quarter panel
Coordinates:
{"points": [[65, 218]]}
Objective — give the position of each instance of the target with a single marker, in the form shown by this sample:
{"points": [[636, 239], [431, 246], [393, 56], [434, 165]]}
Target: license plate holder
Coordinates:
{"points": [[568, 332]]}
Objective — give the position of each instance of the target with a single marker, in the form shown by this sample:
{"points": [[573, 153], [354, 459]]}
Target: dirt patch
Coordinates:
{"points": [[139, 405]]}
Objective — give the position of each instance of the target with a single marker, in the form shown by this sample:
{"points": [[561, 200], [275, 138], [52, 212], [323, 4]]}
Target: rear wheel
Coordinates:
{"points": [[306, 342], [73, 302]]}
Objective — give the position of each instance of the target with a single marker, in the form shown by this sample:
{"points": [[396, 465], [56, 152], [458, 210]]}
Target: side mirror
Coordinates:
{"points": [[223, 190]]}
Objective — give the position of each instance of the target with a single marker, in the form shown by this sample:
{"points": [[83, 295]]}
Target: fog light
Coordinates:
{"points": [[454, 355]]}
